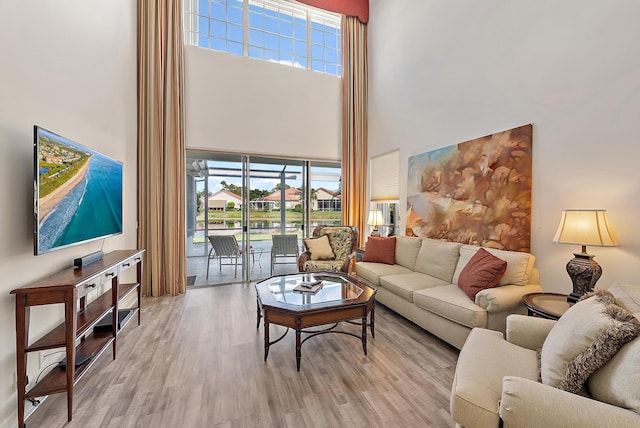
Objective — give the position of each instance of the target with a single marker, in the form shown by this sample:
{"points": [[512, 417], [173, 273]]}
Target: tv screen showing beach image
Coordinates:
{"points": [[78, 193]]}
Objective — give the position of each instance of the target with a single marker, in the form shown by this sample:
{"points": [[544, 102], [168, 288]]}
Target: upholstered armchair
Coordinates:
{"points": [[337, 256]]}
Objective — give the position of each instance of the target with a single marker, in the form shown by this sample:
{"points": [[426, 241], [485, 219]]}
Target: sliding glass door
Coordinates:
{"points": [[251, 199]]}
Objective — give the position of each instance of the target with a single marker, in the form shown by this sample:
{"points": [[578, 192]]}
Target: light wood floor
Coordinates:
{"points": [[197, 361]]}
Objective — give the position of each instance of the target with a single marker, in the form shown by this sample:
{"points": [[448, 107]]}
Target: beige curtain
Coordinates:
{"points": [[161, 148], [354, 123]]}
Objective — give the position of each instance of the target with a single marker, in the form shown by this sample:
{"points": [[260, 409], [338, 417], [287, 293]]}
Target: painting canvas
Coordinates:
{"points": [[477, 192]]}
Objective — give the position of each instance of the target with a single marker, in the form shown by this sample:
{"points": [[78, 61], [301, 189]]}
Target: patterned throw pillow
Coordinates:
{"points": [[584, 339]]}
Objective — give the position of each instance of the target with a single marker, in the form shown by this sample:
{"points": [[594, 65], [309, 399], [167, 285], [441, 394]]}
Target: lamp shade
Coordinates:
{"points": [[375, 218], [585, 227]]}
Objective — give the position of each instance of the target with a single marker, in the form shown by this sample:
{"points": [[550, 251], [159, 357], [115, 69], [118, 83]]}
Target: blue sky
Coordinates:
{"points": [[273, 36]]}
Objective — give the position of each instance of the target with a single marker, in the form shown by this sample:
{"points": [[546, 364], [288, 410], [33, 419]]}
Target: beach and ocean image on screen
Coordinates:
{"points": [[79, 193]]}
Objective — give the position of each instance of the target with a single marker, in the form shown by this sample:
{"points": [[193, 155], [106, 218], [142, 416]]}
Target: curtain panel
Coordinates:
{"points": [[354, 124], [161, 146], [358, 8]]}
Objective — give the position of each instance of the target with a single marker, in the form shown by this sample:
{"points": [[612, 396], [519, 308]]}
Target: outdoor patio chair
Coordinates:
{"points": [[224, 247], [284, 247]]}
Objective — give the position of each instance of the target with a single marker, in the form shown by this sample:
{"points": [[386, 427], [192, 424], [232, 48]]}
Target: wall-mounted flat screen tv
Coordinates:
{"points": [[78, 193]]}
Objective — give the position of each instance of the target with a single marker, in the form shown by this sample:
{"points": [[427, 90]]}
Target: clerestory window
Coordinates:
{"points": [[272, 30]]}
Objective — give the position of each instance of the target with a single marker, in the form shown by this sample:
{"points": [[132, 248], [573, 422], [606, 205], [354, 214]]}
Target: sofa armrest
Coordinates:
{"points": [[525, 403], [504, 298], [528, 332]]}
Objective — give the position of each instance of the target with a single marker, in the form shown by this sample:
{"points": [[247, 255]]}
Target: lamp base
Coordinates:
{"points": [[584, 273], [375, 233]]}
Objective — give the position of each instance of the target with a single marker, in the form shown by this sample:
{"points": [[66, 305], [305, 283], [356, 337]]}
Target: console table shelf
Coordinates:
{"points": [[56, 380], [78, 333]]}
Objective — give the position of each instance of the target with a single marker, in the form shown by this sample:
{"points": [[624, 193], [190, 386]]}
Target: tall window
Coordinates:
{"points": [[271, 30]]}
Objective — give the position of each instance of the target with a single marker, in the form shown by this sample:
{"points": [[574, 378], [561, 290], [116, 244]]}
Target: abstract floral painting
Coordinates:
{"points": [[477, 192]]}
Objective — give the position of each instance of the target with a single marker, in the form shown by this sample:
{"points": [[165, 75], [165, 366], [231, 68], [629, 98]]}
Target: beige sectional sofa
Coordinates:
{"points": [[422, 286]]}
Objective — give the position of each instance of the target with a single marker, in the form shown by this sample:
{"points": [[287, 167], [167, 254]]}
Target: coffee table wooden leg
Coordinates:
{"points": [[371, 320], [298, 345], [259, 315], [266, 338], [364, 332]]}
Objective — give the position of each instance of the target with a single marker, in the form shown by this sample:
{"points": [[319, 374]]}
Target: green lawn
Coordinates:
{"points": [[269, 215], [232, 215]]}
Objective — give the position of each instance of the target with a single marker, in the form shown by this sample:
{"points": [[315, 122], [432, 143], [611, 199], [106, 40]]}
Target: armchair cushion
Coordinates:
{"points": [[319, 248], [528, 404], [342, 240], [324, 265], [485, 359], [584, 339]]}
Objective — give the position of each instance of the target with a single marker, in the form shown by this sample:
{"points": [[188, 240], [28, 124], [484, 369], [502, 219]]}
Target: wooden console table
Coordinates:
{"points": [[71, 287]]}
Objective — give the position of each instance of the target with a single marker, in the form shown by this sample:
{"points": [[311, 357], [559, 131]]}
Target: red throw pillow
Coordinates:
{"points": [[380, 250], [483, 270]]}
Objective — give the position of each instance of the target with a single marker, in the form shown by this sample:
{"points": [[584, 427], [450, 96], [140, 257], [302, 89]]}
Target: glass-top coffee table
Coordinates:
{"points": [[341, 298]]}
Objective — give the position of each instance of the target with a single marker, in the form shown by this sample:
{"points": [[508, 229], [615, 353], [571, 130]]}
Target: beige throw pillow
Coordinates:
{"points": [[584, 339], [319, 248]]}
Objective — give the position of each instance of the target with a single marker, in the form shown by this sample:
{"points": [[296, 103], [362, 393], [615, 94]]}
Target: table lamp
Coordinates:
{"points": [[584, 227], [375, 219]]}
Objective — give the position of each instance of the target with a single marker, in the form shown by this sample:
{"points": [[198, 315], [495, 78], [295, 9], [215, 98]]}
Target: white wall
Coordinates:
{"points": [[446, 71], [244, 105], [69, 66]]}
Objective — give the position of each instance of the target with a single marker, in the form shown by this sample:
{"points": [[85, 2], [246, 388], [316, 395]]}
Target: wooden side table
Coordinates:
{"points": [[546, 305]]}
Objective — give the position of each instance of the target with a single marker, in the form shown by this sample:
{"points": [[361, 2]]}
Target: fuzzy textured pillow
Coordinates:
{"points": [[380, 250], [319, 248], [584, 339], [483, 270]]}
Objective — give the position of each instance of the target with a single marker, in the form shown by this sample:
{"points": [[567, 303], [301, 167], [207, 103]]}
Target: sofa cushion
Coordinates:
{"points": [[437, 258], [483, 271], [627, 296], [587, 336], [407, 248], [450, 302], [485, 359], [380, 250], [519, 265], [403, 285], [372, 272], [319, 248]]}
